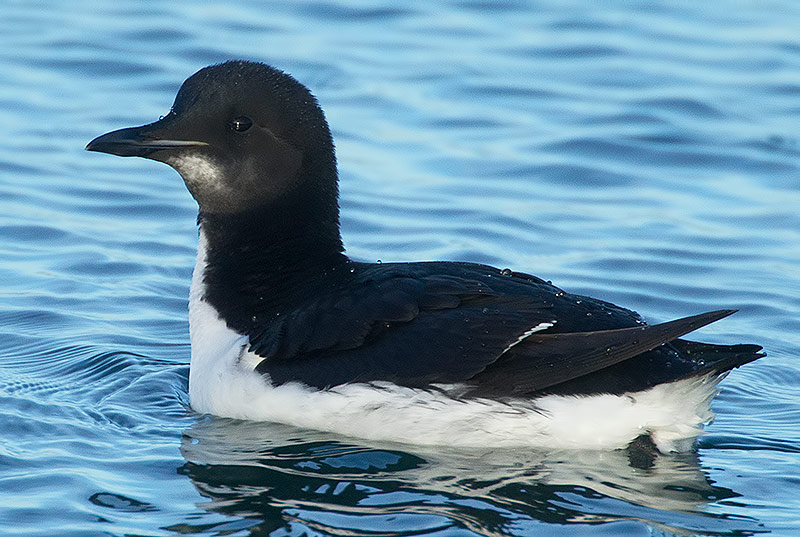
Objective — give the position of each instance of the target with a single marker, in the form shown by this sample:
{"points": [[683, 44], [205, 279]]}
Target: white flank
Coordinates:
{"points": [[222, 381]]}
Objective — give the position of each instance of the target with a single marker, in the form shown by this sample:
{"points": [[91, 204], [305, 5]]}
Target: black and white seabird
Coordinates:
{"points": [[286, 328]]}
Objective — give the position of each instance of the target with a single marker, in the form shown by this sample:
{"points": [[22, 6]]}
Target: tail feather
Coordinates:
{"points": [[544, 361], [672, 361], [710, 358]]}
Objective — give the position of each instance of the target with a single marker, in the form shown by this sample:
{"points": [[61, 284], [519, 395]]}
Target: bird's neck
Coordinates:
{"points": [[257, 265]]}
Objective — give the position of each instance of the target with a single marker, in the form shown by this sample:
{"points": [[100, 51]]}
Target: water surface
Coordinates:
{"points": [[646, 155]]}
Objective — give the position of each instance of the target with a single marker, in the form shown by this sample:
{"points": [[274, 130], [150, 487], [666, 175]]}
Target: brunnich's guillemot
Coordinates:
{"points": [[286, 328]]}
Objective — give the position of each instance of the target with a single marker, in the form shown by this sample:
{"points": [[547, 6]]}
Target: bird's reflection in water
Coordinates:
{"points": [[275, 477]]}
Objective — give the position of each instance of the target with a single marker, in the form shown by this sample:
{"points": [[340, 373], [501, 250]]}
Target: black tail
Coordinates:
{"points": [[612, 361], [710, 358]]}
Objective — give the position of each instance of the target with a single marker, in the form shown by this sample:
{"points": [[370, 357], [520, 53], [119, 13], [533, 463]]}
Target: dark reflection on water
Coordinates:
{"points": [[278, 477]]}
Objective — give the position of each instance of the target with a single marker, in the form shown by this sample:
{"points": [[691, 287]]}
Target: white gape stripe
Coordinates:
{"points": [[181, 143], [222, 381]]}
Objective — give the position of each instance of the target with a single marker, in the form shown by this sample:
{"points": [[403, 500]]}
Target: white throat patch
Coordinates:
{"points": [[197, 170]]}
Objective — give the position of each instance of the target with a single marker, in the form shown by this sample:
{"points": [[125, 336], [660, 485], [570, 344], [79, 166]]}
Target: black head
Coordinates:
{"points": [[245, 137]]}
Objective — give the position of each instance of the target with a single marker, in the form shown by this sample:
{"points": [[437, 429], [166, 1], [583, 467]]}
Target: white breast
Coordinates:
{"points": [[214, 372], [222, 381]]}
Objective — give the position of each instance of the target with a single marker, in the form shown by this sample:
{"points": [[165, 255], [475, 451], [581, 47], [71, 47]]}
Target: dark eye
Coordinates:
{"points": [[241, 123]]}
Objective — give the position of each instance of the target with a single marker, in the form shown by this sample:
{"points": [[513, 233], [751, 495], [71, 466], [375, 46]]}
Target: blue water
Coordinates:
{"points": [[646, 154]]}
